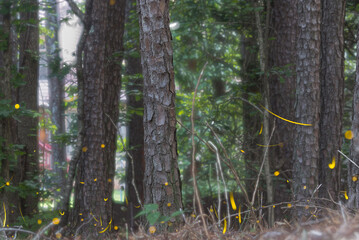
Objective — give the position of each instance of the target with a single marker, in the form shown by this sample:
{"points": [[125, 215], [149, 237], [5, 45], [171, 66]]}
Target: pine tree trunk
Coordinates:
{"points": [[101, 86], [162, 177], [282, 94], [332, 96], [27, 97], [307, 105]]}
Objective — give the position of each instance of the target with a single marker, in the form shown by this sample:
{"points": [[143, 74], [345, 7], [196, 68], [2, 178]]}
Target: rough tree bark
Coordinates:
{"points": [[56, 87], [27, 96], [332, 96], [282, 60], [307, 105], [101, 86], [162, 177]]}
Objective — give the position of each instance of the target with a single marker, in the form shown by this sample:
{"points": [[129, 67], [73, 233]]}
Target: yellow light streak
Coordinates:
{"points": [[332, 165], [239, 215], [4, 224], [298, 123], [232, 201], [225, 226]]}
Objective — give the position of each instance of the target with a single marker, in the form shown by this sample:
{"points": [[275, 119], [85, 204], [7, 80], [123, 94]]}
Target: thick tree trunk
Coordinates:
{"points": [[307, 105], [27, 96], [8, 132], [332, 96], [56, 87], [353, 171], [101, 86], [282, 60], [162, 177]]}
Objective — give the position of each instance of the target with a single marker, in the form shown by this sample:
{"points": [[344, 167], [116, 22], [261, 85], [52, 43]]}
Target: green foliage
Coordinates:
{"points": [[153, 216]]}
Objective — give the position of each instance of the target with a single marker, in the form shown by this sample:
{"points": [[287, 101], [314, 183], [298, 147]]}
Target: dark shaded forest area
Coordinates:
{"points": [[179, 119]]}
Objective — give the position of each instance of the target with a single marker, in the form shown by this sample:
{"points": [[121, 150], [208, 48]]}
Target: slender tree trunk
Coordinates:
{"points": [[282, 60], [307, 105], [332, 96], [101, 86], [162, 177], [27, 96], [353, 171], [56, 87], [251, 118], [135, 135]]}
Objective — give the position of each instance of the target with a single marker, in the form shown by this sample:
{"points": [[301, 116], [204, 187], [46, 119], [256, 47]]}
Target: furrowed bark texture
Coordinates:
{"points": [[56, 87], [27, 95], [160, 143], [307, 105], [332, 96], [282, 94], [353, 171], [101, 85]]}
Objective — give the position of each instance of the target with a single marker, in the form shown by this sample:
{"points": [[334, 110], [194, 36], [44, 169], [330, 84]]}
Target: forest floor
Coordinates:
{"points": [[336, 226]]}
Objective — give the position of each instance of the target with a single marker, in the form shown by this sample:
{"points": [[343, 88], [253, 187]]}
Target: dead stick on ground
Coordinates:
{"points": [[196, 191]]}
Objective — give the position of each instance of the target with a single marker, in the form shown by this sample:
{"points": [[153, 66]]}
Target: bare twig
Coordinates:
{"points": [[195, 188], [132, 162], [261, 168], [76, 10], [348, 159], [40, 233], [230, 165], [224, 183]]}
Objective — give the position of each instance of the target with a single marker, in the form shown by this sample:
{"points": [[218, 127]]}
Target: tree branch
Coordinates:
{"points": [[76, 10]]}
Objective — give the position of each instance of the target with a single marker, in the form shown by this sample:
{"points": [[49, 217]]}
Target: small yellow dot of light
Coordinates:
{"points": [[102, 145], [17, 106], [55, 221], [166, 183], [7, 183], [169, 204], [116, 228]]}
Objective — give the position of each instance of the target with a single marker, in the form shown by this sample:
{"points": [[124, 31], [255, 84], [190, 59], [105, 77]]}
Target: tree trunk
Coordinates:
{"points": [[353, 171], [307, 105], [282, 60], [8, 130], [56, 87], [135, 135], [251, 118], [27, 97], [162, 176], [332, 96], [101, 86]]}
